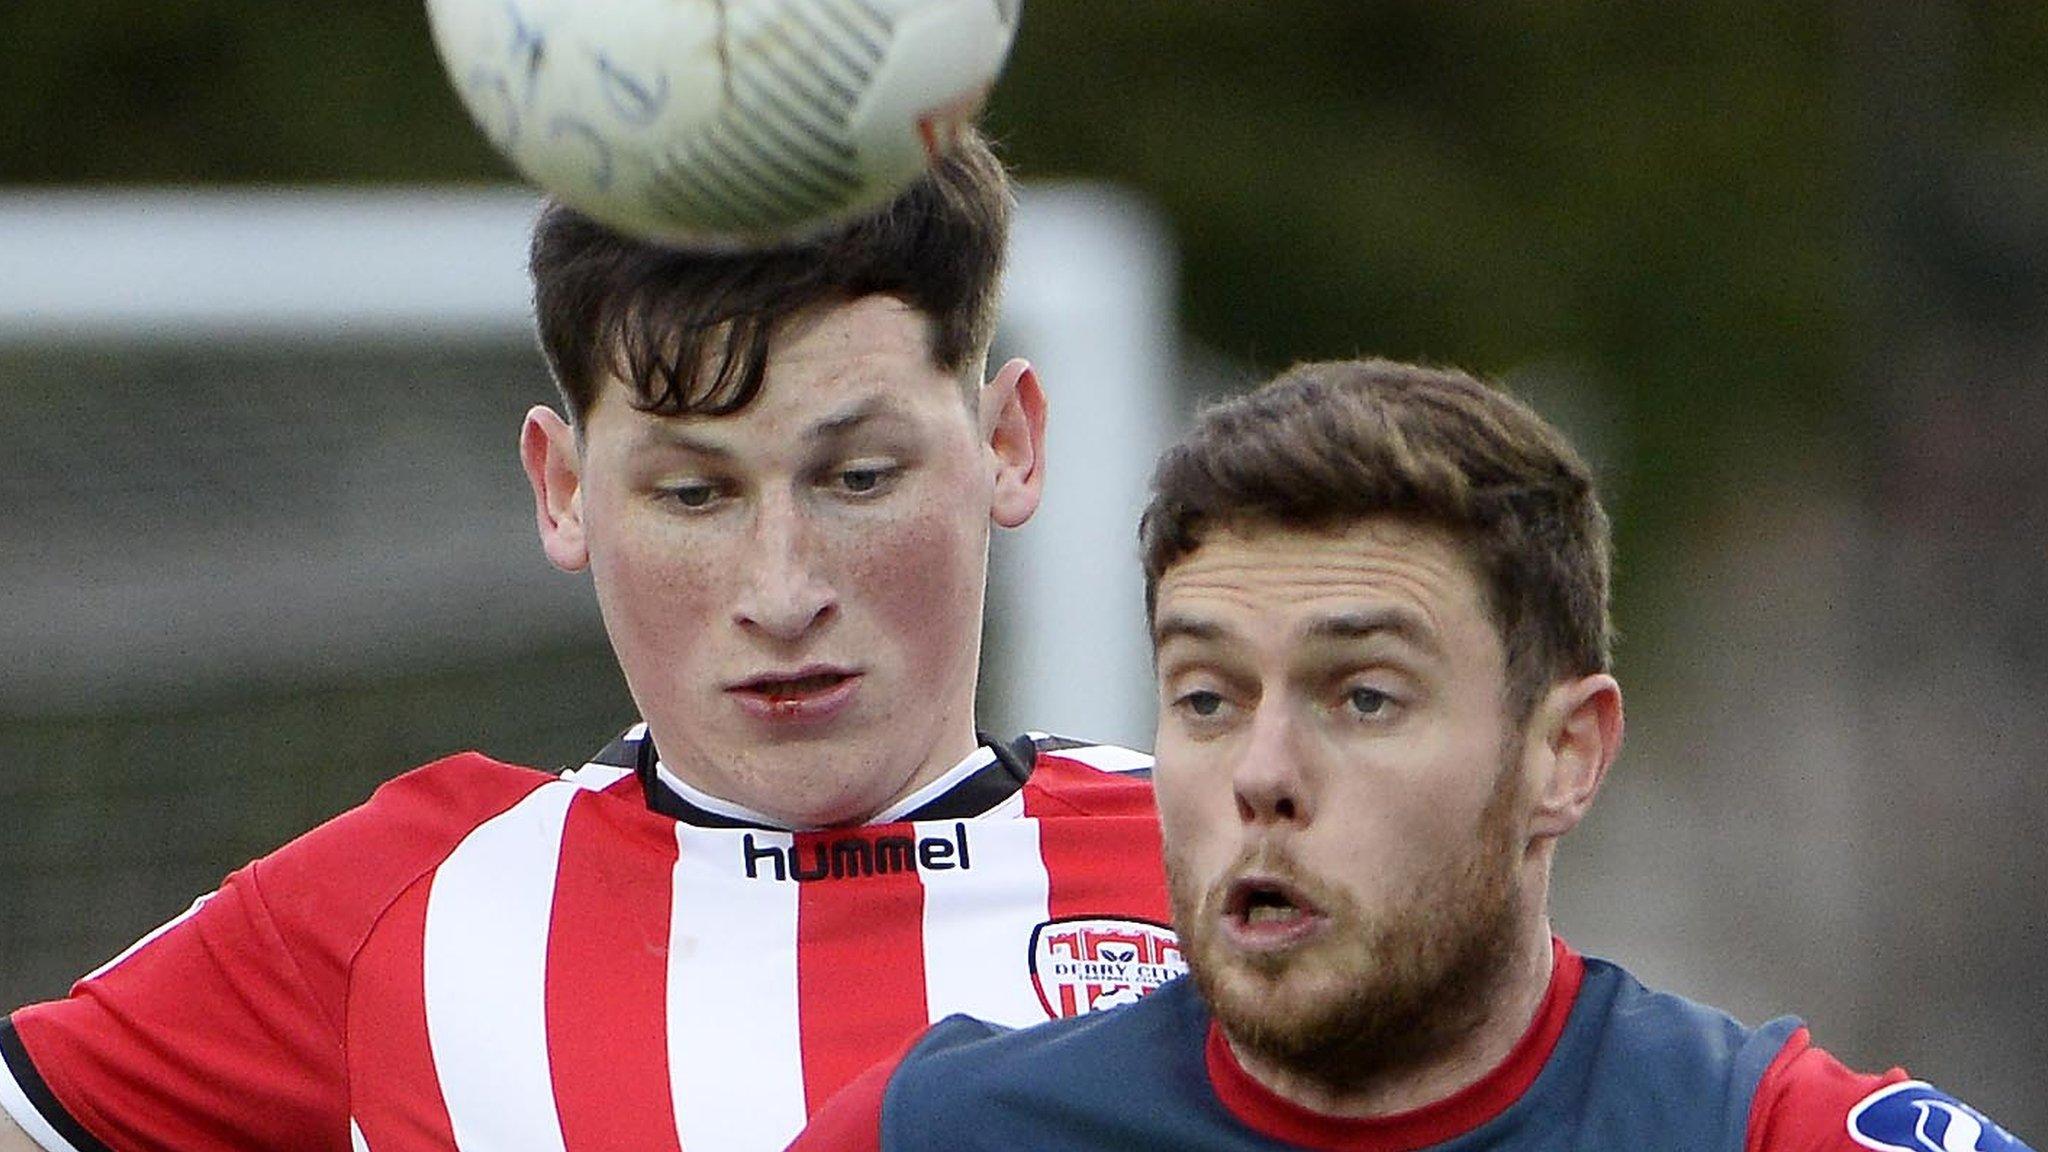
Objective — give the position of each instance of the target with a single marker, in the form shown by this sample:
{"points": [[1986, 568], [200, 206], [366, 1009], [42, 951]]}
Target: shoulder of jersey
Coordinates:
{"points": [[457, 791], [1088, 779], [405, 829], [1810, 1099]]}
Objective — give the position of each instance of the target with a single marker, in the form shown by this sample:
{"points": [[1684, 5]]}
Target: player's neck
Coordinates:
{"points": [[1513, 1003], [762, 792], [948, 754]]}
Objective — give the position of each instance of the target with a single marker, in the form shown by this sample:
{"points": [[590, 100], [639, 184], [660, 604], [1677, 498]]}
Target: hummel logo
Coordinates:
{"points": [[856, 855]]}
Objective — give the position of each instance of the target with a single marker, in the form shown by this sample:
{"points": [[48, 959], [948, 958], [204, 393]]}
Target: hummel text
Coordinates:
{"points": [[849, 856]]}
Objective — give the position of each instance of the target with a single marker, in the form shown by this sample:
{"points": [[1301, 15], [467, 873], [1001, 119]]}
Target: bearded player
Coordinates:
{"points": [[1378, 598], [780, 470]]}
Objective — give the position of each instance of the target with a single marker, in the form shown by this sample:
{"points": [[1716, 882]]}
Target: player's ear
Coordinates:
{"points": [[1574, 735], [554, 469], [1012, 411]]}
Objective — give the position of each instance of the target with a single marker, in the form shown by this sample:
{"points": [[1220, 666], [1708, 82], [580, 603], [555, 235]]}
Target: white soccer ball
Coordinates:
{"points": [[722, 122]]}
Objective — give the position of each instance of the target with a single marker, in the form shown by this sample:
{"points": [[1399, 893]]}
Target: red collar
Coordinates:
{"points": [[1270, 1115]]}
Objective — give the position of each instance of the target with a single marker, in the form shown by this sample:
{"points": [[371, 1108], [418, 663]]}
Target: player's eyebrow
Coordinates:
{"points": [[849, 419], [674, 434], [1180, 626], [695, 435], [1401, 623]]}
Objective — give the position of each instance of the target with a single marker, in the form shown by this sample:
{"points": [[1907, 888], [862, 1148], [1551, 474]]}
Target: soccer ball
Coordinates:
{"points": [[722, 122]]}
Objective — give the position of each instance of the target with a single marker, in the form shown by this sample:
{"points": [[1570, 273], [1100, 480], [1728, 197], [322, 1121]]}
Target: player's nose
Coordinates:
{"points": [[784, 592], [1267, 776]]}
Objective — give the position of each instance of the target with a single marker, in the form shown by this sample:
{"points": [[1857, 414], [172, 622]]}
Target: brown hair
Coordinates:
{"points": [[687, 330], [1327, 444]]}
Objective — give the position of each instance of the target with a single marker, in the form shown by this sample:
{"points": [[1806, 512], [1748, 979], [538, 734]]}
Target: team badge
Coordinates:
{"points": [[1914, 1116], [1085, 964]]}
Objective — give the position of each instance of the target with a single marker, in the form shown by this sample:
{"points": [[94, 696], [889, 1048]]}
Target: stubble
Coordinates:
{"points": [[1385, 993]]}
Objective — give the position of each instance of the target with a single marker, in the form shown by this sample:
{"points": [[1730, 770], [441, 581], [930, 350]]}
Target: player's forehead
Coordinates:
{"points": [[876, 332], [875, 349], [849, 376], [1290, 591]]}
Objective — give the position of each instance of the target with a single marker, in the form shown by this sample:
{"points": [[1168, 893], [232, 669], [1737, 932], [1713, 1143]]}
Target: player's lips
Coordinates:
{"points": [[1266, 913], [809, 694]]}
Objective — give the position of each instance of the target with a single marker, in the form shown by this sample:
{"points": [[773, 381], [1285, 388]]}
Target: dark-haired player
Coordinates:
{"points": [[1378, 598], [780, 469]]}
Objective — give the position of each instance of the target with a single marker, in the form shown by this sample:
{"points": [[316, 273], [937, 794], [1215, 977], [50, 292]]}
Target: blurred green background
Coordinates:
{"points": [[1783, 269]]}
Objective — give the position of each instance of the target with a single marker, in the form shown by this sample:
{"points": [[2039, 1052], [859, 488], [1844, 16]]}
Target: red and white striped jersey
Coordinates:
{"points": [[489, 957]]}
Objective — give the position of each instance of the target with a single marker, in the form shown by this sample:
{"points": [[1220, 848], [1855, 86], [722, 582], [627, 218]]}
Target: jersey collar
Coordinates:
{"points": [[984, 783], [1447, 1119]]}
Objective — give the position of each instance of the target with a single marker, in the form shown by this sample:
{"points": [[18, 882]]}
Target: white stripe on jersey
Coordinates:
{"points": [[735, 1061], [485, 961], [596, 777], [1003, 897], [15, 1103], [355, 1137]]}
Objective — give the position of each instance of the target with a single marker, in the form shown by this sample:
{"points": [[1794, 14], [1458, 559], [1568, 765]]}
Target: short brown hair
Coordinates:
{"points": [[1327, 444], [687, 330]]}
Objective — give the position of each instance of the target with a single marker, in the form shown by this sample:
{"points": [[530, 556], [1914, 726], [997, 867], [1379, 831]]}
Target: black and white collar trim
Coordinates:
{"points": [[977, 786]]}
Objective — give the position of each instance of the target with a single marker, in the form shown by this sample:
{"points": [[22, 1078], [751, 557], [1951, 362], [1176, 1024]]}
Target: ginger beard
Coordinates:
{"points": [[1384, 992]]}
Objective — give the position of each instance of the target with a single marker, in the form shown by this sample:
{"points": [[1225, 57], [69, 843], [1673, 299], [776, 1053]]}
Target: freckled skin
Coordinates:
{"points": [[1333, 709], [841, 520]]}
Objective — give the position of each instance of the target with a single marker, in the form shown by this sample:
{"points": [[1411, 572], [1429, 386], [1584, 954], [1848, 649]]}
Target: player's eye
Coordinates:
{"points": [[693, 494], [865, 478], [1368, 701], [1201, 702]]}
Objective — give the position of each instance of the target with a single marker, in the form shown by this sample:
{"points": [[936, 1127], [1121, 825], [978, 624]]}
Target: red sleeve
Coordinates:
{"points": [[223, 1030], [1074, 782], [208, 1036], [851, 1121], [1803, 1101]]}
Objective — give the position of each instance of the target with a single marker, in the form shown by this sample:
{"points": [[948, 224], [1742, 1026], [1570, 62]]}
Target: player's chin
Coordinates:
{"points": [[824, 787], [796, 793], [1303, 974], [1269, 999]]}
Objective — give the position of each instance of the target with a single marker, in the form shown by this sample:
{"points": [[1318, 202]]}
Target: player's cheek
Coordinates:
{"points": [[922, 574], [662, 599], [1193, 800]]}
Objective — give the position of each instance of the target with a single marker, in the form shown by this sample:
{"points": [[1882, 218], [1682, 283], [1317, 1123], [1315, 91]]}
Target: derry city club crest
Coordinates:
{"points": [[1087, 964]]}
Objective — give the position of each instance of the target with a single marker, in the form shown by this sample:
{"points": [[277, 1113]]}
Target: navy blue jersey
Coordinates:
{"points": [[1607, 1064]]}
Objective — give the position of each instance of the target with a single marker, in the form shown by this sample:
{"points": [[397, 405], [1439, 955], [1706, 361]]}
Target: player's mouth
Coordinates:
{"points": [[806, 694], [1264, 914]]}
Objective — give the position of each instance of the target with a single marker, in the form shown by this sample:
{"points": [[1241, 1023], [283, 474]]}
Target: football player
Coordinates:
{"points": [[780, 469], [1379, 607]]}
